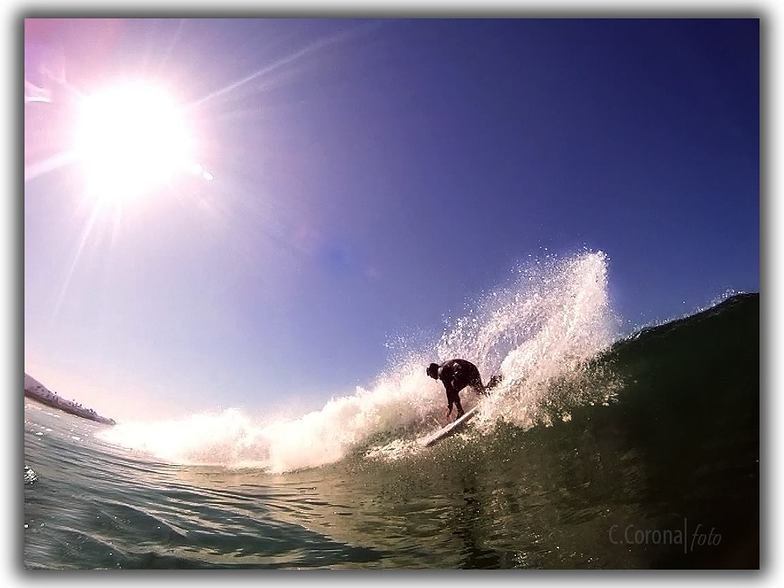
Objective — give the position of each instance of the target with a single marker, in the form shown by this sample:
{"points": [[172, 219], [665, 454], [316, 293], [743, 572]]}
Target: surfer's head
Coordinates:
{"points": [[432, 371]]}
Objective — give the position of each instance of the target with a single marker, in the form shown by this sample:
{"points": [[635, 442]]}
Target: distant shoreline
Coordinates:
{"points": [[38, 392]]}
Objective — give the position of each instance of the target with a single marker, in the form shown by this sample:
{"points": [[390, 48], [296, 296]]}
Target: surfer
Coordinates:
{"points": [[456, 374]]}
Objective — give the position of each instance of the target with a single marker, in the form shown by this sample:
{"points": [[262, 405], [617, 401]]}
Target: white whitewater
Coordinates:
{"points": [[543, 325]]}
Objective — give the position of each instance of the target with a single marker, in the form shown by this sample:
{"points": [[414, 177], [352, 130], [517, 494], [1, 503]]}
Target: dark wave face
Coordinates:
{"points": [[666, 475], [648, 459]]}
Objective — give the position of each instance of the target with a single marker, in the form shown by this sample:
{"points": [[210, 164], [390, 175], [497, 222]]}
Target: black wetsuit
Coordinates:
{"points": [[456, 374]]}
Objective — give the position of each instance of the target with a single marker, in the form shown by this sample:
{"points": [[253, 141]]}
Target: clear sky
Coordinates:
{"points": [[366, 178]]}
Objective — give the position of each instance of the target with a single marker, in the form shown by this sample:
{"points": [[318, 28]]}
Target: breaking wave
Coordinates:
{"points": [[539, 331]]}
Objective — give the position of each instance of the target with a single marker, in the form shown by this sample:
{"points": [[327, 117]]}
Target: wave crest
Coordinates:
{"points": [[542, 327]]}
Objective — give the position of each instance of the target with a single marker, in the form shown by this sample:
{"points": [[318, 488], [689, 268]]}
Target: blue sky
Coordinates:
{"points": [[371, 177]]}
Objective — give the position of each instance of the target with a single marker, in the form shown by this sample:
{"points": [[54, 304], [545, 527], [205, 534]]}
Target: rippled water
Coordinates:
{"points": [[93, 506]]}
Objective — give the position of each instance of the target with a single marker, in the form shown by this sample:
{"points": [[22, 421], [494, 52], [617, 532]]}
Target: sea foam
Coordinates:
{"points": [[543, 325]]}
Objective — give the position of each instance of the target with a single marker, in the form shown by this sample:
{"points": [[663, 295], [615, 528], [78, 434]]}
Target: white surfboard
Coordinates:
{"points": [[449, 429]]}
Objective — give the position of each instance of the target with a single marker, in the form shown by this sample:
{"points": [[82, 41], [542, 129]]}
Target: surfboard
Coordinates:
{"points": [[449, 429]]}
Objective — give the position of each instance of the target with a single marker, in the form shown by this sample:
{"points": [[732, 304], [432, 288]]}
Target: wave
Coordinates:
{"points": [[539, 330]]}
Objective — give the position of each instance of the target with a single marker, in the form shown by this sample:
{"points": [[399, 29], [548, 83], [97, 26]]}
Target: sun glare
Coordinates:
{"points": [[131, 139]]}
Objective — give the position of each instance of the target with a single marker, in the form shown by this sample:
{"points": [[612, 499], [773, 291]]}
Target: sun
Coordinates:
{"points": [[131, 139]]}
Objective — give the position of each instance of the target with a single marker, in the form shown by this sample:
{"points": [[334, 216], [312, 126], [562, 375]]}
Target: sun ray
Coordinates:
{"points": [[170, 48], [49, 165], [86, 231], [297, 55], [116, 223]]}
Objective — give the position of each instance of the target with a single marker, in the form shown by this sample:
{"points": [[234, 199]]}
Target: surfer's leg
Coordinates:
{"points": [[459, 406], [450, 399]]}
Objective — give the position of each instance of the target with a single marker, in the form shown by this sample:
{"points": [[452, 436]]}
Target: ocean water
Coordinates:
{"points": [[595, 452]]}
